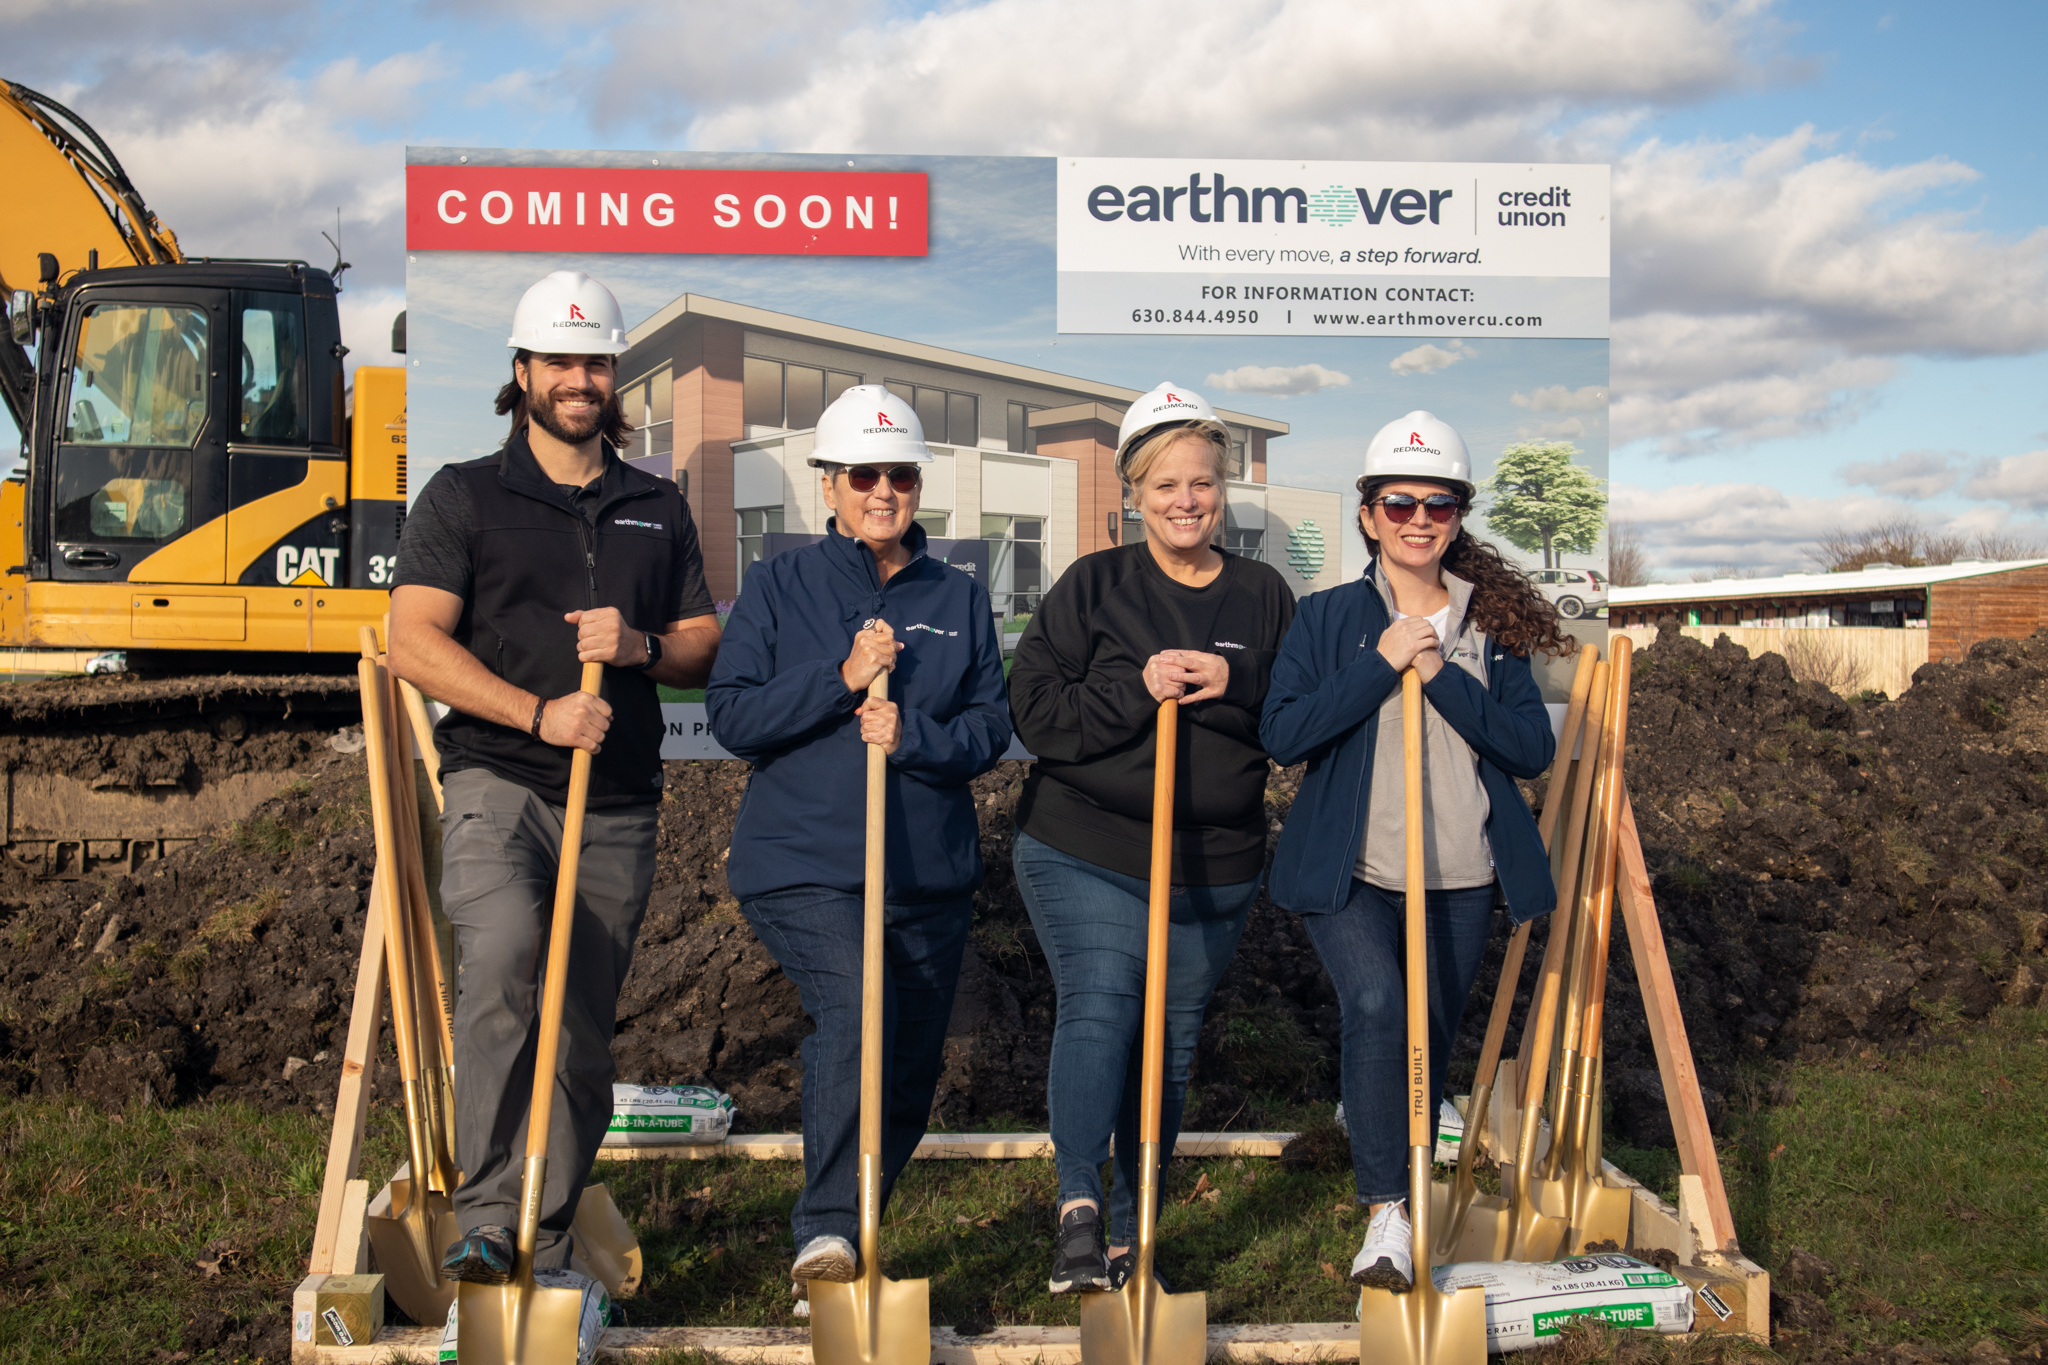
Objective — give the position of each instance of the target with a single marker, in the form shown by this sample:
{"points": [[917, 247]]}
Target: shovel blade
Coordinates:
{"points": [[494, 1326], [606, 1249], [414, 1285], [1117, 1329], [1600, 1213], [893, 1327], [1423, 1326], [1484, 1236]]}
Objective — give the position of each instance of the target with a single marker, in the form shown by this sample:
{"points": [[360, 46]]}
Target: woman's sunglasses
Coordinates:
{"points": [[1400, 507], [903, 478]]}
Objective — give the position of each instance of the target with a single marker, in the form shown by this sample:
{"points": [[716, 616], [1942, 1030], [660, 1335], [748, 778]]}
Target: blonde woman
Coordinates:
{"points": [[1123, 630]]}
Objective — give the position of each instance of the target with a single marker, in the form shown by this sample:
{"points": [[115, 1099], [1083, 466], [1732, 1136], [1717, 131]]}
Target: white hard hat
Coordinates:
{"points": [[1167, 405], [1419, 446], [568, 313], [870, 425]]}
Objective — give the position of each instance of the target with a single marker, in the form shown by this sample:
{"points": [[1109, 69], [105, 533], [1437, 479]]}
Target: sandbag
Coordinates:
{"points": [[668, 1115], [1528, 1302]]}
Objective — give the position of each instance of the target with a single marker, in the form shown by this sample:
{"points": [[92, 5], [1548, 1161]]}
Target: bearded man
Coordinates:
{"points": [[513, 571]]}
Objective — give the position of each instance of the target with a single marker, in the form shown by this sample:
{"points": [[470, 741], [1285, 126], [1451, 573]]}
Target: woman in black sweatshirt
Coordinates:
{"points": [[1122, 631]]}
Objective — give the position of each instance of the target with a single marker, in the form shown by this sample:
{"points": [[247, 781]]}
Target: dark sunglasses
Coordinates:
{"points": [[1400, 507], [903, 478]]}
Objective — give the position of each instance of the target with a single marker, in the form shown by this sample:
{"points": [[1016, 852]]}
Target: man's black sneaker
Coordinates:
{"points": [[483, 1256], [1123, 1267], [1077, 1261]]}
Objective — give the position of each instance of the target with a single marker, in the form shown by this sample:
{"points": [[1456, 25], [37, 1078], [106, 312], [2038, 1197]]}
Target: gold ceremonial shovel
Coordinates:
{"points": [[521, 1321], [426, 1222], [1424, 1326], [1476, 1226], [1141, 1324], [872, 1320]]}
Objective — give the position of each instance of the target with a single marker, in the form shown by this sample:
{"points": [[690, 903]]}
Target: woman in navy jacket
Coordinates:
{"points": [[1440, 601], [813, 627]]}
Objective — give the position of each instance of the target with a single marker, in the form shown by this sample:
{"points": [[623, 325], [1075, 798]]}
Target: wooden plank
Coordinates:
{"points": [[351, 1242], [943, 1147], [352, 1096], [1696, 1152], [1281, 1343]]}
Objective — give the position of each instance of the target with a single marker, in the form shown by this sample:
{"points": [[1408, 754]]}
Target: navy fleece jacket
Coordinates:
{"points": [[776, 699], [1328, 684]]}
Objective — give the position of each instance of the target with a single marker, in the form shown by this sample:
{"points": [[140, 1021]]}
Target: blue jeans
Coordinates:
{"points": [[1091, 925], [1361, 948], [815, 935]]}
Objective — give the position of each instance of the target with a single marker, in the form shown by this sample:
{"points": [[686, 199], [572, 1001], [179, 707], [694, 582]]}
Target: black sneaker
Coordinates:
{"points": [[483, 1256], [1123, 1267], [1078, 1262]]}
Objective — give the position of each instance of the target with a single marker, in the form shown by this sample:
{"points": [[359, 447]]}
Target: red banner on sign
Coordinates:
{"points": [[747, 213]]}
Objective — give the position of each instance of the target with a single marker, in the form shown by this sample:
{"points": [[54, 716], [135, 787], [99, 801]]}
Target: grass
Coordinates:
{"points": [[1919, 1177], [103, 1216]]}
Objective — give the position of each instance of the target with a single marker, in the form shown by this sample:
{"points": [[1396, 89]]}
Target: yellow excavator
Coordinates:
{"points": [[204, 497]]}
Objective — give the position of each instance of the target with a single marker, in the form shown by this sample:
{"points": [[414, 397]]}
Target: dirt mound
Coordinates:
{"points": [[1832, 876]]}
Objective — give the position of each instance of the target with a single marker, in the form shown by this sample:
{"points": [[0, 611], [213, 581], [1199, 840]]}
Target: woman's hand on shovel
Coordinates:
{"points": [[881, 723], [874, 652], [1412, 640]]}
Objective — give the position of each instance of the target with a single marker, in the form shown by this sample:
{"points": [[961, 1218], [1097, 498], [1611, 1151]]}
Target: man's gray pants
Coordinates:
{"points": [[500, 846]]}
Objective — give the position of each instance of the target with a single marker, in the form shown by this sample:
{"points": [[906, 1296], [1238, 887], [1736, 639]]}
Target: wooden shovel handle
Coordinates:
{"points": [[1420, 1120], [873, 948], [556, 984], [1152, 1077]]}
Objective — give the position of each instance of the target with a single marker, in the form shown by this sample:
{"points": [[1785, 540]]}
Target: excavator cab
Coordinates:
{"points": [[190, 430]]}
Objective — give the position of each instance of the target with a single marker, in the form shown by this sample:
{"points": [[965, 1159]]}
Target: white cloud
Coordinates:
{"points": [[1753, 526], [1912, 474], [2019, 480], [1763, 288], [1555, 429], [1279, 381], [1558, 398], [1324, 78], [1428, 358]]}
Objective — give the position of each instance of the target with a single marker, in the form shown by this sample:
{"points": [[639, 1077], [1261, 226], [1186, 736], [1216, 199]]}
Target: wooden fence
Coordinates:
{"points": [[1848, 659]]}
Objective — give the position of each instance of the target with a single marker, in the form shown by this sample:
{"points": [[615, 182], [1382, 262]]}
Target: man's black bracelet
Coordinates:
{"points": [[540, 705]]}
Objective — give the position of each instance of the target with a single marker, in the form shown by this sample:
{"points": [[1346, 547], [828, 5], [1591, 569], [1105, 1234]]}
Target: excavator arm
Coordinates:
{"points": [[67, 196]]}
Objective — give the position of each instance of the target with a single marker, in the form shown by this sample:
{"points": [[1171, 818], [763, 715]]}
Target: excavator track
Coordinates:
{"points": [[111, 772]]}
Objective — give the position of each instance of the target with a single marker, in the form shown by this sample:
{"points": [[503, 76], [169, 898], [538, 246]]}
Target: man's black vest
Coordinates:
{"points": [[535, 558]]}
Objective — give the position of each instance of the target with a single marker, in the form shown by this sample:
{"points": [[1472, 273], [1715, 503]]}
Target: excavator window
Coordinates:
{"points": [[140, 376], [272, 410], [137, 404]]}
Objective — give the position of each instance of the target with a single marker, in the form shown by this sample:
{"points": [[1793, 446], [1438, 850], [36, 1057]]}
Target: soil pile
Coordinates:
{"points": [[1831, 876]]}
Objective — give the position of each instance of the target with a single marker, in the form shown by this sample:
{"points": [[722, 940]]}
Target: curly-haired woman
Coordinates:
{"points": [[1448, 605]]}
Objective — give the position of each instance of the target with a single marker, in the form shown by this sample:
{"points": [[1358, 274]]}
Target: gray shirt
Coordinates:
{"points": [[1455, 807]]}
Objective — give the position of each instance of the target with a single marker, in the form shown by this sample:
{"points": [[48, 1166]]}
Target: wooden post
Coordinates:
{"points": [[1696, 1153], [352, 1096]]}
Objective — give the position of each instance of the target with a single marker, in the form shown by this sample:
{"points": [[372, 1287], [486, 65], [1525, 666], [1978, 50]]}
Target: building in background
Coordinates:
{"points": [[727, 397], [1878, 623]]}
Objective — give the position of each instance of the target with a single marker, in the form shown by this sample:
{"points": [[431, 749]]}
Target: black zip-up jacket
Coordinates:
{"points": [[535, 557], [1077, 694]]}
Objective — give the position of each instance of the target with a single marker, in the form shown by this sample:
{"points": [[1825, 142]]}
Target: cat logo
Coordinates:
{"points": [[313, 566]]}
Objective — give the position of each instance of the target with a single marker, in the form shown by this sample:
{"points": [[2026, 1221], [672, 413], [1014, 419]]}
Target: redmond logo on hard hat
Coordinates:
{"points": [[1414, 438], [886, 427], [574, 311]]}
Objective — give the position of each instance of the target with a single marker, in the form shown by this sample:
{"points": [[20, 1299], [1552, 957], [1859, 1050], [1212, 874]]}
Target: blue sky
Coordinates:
{"points": [[1831, 273]]}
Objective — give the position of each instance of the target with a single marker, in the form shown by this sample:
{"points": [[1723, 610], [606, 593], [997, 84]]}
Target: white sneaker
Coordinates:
{"points": [[826, 1258], [1387, 1260], [801, 1289]]}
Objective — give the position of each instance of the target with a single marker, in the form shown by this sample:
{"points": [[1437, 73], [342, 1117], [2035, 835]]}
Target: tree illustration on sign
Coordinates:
{"points": [[1305, 548], [1540, 499]]}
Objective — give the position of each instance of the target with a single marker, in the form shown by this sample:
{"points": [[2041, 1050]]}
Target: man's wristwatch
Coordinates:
{"points": [[653, 651]]}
